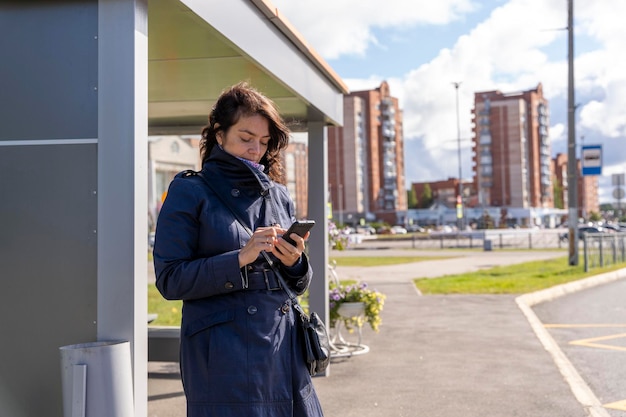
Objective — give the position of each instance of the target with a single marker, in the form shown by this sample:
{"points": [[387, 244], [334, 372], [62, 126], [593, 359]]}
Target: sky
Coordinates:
{"points": [[422, 47]]}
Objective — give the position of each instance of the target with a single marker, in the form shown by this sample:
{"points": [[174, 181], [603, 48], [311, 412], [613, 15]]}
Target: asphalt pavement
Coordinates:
{"points": [[464, 355]]}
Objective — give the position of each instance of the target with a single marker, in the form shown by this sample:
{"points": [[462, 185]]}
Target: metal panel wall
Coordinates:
{"points": [[48, 201], [49, 68], [48, 275]]}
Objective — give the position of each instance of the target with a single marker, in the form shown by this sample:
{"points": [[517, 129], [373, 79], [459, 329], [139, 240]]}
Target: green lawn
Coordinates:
{"points": [[382, 260], [512, 279], [169, 312]]}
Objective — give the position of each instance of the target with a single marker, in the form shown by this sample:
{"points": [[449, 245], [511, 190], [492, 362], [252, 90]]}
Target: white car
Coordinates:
{"points": [[398, 230], [366, 230]]}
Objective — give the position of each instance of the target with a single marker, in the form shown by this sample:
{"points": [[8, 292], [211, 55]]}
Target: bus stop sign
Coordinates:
{"points": [[592, 160]]}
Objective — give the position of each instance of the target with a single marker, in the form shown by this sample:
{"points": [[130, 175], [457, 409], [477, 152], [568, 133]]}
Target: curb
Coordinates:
{"points": [[579, 387]]}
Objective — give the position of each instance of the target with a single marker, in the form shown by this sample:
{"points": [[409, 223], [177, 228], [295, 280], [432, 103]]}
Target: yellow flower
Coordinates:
{"points": [[373, 301]]}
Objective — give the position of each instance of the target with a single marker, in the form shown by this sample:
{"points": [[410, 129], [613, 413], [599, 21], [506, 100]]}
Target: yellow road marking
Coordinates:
{"points": [[590, 342], [619, 405], [582, 326]]}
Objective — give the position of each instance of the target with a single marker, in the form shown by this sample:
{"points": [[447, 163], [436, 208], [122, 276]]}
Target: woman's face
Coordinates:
{"points": [[248, 138]]}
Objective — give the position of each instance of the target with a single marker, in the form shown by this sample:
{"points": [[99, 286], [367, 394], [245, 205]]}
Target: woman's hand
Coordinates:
{"points": [[287, 253], [263, 238], [266, 239]]}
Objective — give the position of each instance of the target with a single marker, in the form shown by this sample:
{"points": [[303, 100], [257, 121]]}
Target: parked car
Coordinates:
{"points": [[415, 228], [398, 230], [612, 227], [366, 230], [581, 232]]}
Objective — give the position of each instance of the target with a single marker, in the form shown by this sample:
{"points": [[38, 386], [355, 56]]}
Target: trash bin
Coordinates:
{"points": [[97, 379], [487, 245]]}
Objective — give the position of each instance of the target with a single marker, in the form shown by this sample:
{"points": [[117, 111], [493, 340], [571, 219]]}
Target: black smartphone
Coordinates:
{"points": [[300, 227]]}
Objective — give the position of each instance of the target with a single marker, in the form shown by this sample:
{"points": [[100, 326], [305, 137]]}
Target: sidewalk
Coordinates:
{"points": [[435, 356]]}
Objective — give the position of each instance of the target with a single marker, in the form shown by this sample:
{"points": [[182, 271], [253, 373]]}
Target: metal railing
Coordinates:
{"points": [[496, 239], [603, 249]]}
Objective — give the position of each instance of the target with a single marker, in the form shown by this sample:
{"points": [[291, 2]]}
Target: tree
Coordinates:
{"points": [[485, 221], [411, 198], [426, 199], [594, 216], [558, 194]]}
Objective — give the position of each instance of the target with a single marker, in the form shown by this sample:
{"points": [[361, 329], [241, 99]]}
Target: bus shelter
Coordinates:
{"points": [[83, 85]]}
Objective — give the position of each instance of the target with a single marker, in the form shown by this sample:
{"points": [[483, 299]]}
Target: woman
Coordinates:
{"points": [[240, 349]]}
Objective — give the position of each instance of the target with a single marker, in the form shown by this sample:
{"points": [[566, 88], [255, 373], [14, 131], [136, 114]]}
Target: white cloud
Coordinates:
{"points": [[558, 133], [344, 27], [516, 47], [500, 53]]}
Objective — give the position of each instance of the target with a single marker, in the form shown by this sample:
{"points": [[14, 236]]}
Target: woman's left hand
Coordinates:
{"points": [[285, 252]]}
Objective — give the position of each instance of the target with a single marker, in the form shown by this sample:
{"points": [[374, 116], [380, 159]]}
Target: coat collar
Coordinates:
{"points": [[236, 173]]}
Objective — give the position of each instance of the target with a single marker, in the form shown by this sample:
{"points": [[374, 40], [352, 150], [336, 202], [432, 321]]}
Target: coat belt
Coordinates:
{"points": [[262, 279]]}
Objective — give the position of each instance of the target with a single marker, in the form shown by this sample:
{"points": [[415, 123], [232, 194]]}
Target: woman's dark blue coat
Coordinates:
{"points": [[240, 350]]}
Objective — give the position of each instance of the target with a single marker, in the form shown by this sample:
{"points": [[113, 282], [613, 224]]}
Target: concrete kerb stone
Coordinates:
{"points": [[557, 291], [577, 384]]}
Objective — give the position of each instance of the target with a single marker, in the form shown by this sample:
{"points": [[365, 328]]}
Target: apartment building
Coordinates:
{"points": [[366, 159], [296, 165], [511, 149], [587, 193]]}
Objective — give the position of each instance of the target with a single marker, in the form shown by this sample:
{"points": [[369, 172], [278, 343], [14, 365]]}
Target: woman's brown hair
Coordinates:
{"points": [[243, 100]]}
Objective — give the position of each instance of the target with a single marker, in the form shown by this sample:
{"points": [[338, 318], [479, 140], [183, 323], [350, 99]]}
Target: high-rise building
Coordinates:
{"points": [[512, 153], [587, 192], [296, 164], [347, 163], [366, 159]]}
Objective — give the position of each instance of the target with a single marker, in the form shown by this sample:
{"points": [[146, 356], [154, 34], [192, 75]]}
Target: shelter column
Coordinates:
{"points": [[122, 181], [318, 211]]}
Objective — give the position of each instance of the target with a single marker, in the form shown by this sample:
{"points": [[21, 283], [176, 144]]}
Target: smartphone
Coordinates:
{"points": [[300, 227]]}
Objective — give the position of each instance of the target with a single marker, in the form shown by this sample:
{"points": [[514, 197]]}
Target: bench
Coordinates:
{"points": [[163, 343]]}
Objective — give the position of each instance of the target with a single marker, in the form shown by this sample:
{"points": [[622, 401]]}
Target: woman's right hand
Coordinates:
{"points": [[263, 238]]}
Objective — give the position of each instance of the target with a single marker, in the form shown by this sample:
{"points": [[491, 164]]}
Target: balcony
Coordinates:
{"points": [[389, 111], [389, 133]]}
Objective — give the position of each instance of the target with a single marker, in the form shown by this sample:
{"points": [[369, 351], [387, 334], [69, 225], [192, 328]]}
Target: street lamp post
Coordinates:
{"points": [[572, 168], [459, 200]]}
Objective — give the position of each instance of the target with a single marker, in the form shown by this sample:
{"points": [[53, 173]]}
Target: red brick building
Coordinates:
{"points": [[587, 193], [366, 159], [512, 152]]}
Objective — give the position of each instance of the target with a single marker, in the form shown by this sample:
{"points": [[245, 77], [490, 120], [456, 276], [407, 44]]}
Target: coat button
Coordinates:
{"points": [[252, 310], [229, 285], [234, 192]]}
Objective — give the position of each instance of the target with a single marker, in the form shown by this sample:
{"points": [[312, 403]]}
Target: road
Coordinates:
{"points": [[590, 328]]}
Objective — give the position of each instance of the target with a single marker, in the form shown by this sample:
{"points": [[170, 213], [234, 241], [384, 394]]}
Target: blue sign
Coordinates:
{"points": [[592, 160]]}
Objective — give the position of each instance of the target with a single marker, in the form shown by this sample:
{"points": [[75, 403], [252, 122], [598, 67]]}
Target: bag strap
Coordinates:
{"points": [[292, 295]]}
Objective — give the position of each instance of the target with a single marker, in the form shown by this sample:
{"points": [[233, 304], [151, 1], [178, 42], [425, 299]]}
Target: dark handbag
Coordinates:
{"points": [[316, 342]]}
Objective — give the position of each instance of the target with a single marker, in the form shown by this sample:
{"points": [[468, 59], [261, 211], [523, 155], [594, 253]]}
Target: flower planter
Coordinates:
{"points": [[351, 309]]}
